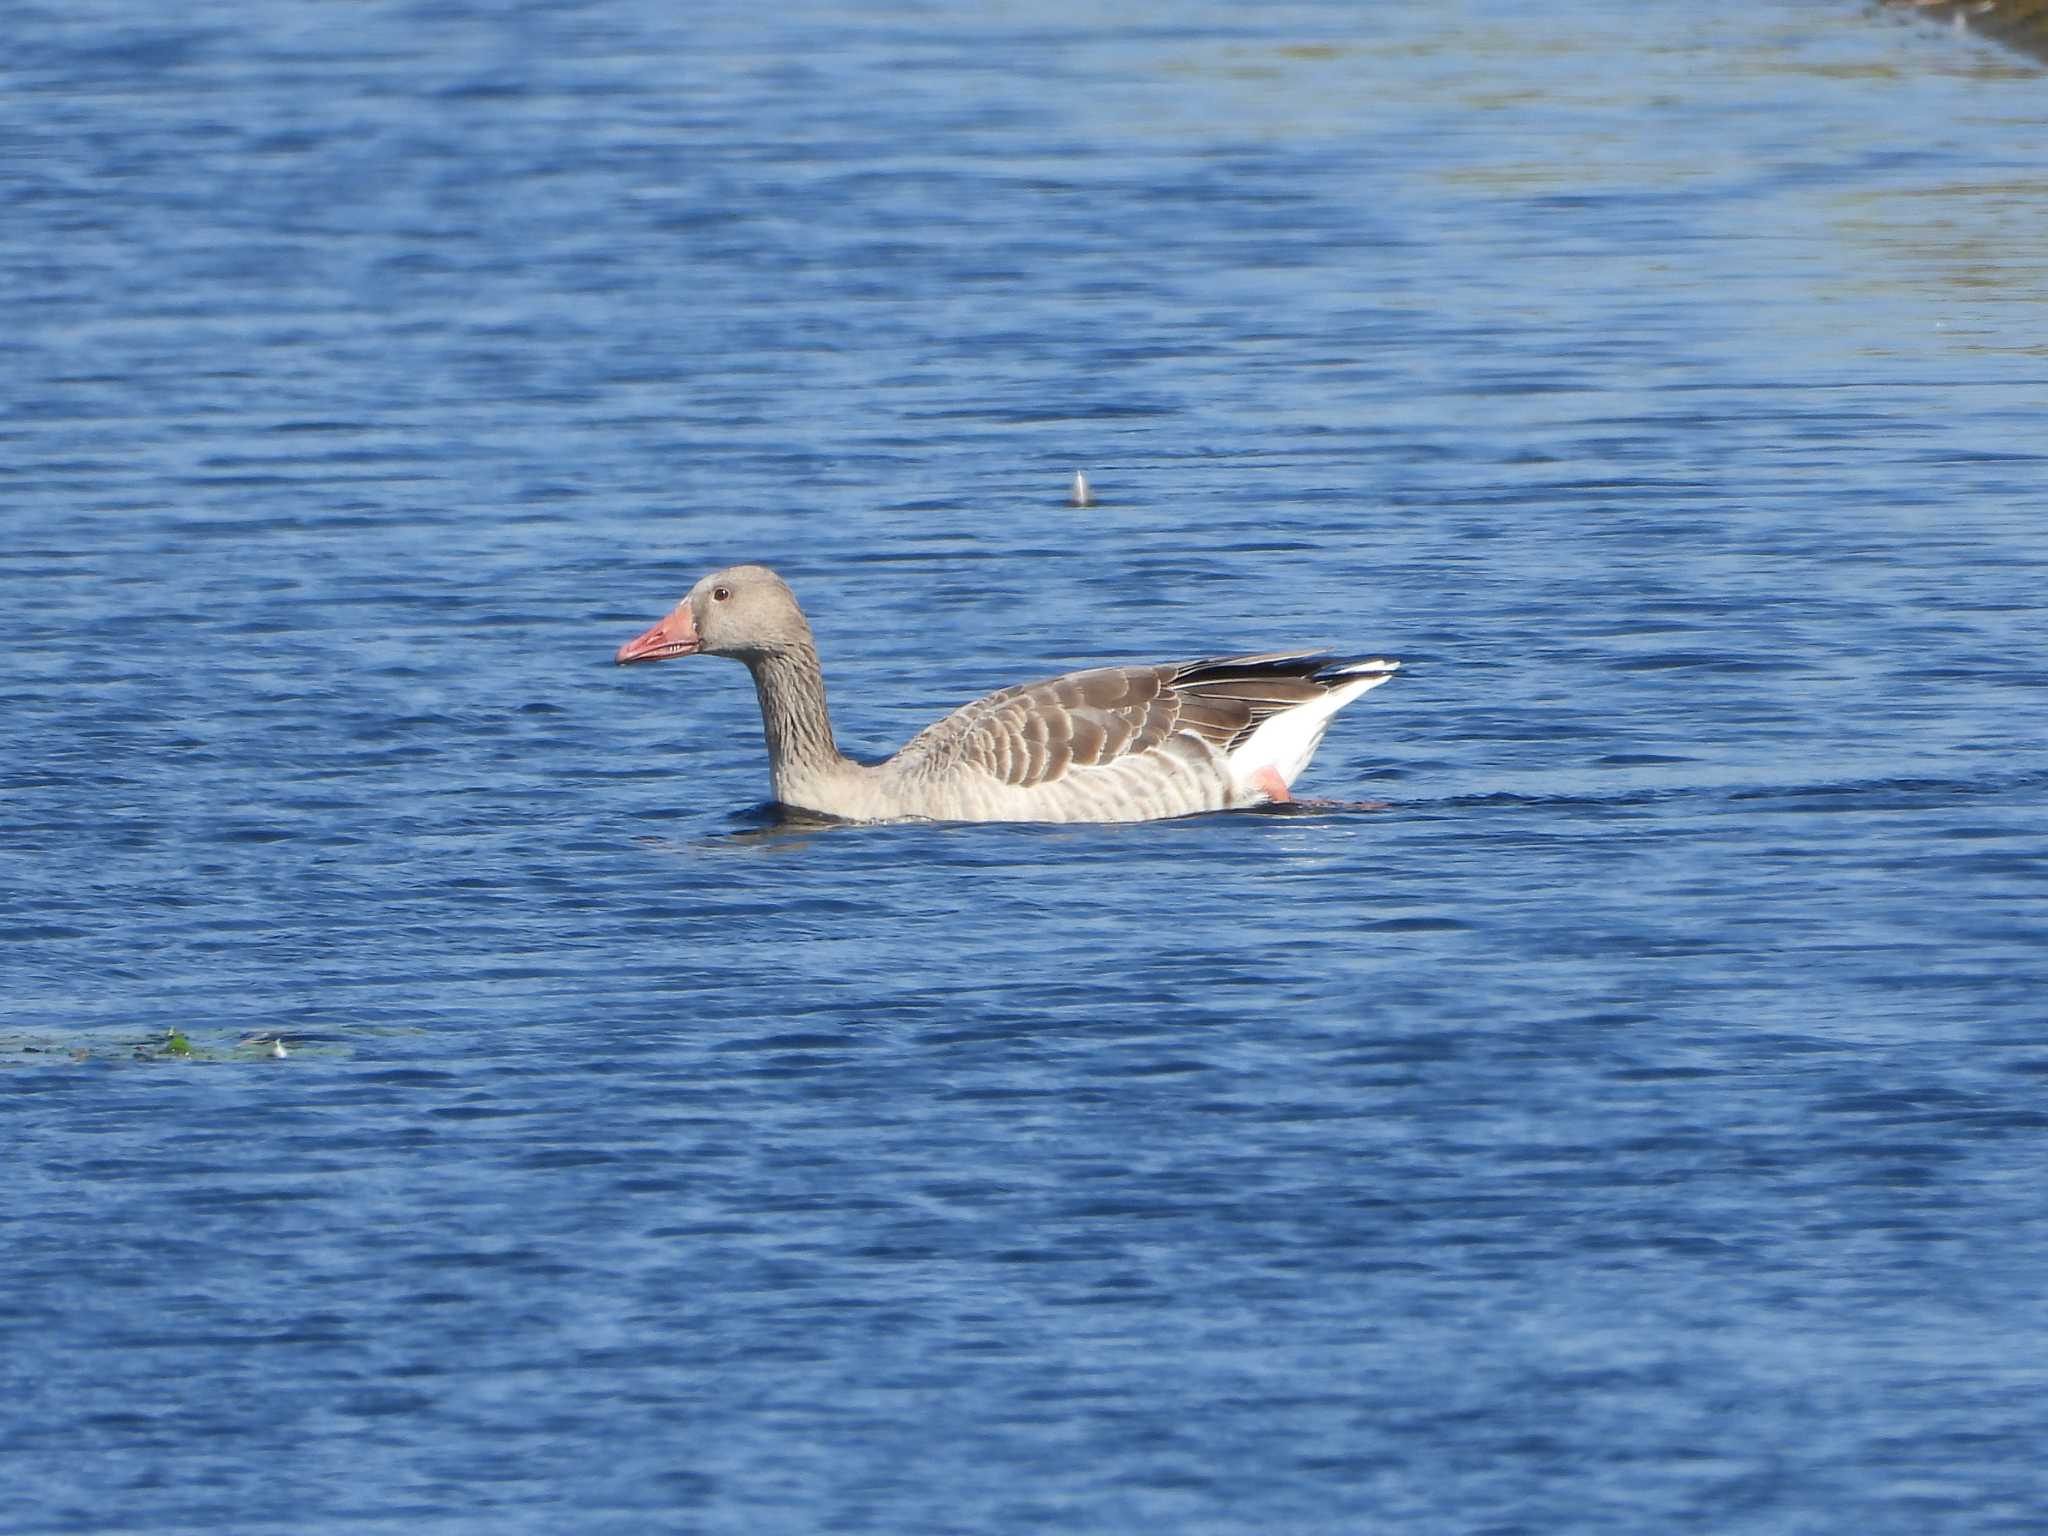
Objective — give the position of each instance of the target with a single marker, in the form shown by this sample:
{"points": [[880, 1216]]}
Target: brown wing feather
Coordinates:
{"points": [[1036, 733]]}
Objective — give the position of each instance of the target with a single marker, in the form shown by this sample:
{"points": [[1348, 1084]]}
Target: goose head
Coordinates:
{"points": [[745, 611]]}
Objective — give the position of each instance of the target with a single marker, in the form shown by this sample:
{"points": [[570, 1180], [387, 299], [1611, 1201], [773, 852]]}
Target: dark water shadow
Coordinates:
{"points": [[777, 826], [1901, 793], [2019, 24]]}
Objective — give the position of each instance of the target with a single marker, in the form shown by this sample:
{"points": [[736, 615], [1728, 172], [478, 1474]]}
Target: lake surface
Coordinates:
{"points": [[1639, 1126]]}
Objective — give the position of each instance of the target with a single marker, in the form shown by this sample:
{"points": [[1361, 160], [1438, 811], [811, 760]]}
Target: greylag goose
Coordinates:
{"points": [[1109, 744]]}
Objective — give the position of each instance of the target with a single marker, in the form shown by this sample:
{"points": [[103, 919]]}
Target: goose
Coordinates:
{"points": [[1109, 744]]}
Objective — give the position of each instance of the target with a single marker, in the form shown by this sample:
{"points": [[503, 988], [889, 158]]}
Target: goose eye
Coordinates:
{"points": [[720, 594]]}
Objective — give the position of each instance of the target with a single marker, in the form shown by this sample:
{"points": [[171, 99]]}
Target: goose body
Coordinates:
{"points": [[1108, 744]]}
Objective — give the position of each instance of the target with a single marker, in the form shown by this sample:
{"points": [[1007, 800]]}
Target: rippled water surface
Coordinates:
{"points": [[1637, 1127]]}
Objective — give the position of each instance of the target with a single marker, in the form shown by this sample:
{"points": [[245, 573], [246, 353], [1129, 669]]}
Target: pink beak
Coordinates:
{"points": [[675, 635]]}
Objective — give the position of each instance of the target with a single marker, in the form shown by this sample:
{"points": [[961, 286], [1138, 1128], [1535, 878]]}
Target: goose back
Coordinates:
{"points": [[1122, 743]]}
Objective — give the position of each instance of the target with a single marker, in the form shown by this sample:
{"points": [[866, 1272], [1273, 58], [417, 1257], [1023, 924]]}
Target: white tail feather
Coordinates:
{"points": [[1287, 741]]}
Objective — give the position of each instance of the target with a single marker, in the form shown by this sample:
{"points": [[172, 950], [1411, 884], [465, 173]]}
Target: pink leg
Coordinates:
{"points": [[1276, 791], [1275, 787]]}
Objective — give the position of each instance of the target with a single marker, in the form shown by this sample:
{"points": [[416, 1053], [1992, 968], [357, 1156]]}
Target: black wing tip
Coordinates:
{"points": [[1317, 666]]}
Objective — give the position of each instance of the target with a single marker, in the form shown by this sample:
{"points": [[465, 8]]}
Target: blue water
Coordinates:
{"points": [[1638, 1127]]}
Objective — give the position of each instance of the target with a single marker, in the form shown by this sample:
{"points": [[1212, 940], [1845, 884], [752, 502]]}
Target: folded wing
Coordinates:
{"points": [[1040, 733]]}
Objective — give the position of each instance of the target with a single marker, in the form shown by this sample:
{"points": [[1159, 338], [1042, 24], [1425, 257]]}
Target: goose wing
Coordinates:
{"points": [[1039, 733]]}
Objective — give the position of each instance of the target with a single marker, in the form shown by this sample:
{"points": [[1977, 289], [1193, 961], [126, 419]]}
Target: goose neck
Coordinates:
{"points": [[794, 717]]}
